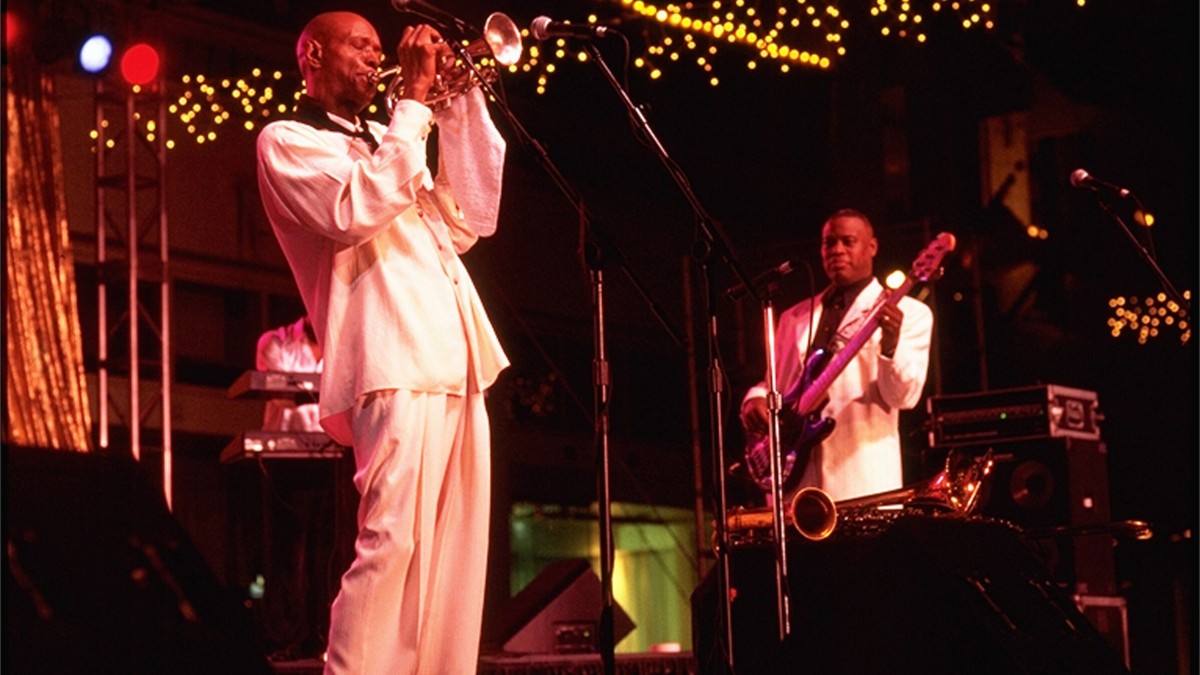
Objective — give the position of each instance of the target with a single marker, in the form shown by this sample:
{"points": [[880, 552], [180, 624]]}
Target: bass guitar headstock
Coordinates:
{"points": [[928, 264]]}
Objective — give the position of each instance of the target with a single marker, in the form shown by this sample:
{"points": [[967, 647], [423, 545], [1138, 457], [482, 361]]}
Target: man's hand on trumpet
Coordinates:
{"points": [[420, 55]]}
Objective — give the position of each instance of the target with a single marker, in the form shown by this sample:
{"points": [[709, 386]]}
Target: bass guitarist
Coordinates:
{"points": [[849, 444]]}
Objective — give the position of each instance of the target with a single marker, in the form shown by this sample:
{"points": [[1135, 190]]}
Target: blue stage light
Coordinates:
{"points": [[95, 54]]}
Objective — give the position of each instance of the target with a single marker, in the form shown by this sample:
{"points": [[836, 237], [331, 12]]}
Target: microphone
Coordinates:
{"points": [[775, 273], [543, 28], [1083, 179]]}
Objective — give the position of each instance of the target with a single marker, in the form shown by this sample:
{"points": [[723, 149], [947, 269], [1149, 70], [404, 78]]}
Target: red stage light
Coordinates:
{"points": [[12, 29], [139, 64]]}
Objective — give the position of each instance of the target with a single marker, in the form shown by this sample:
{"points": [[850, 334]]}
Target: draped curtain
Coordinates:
{"points": [[46, 398]]}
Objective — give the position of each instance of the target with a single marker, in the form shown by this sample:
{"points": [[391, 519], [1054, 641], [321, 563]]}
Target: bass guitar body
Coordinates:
{"points": [[798, 433]]}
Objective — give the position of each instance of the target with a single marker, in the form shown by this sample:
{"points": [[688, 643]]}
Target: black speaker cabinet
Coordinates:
{"points": [[1050, 487], [102, 579], [929, 595], [1048, 482]]}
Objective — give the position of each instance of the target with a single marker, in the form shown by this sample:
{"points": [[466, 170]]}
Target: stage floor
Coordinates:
{"points": [[680, 663]]}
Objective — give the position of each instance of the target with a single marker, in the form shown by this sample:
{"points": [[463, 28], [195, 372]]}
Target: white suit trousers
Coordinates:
{"points": [[412, 600]]}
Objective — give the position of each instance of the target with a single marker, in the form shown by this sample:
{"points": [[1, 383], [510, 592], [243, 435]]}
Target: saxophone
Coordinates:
{"points": [[953, 492]]}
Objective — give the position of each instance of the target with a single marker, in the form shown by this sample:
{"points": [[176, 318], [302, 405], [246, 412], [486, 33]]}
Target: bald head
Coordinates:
{"points": [[338, 54]]}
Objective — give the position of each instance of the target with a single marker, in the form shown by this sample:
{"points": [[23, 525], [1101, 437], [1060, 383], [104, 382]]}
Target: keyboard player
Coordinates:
{"points": [[290, 349]]}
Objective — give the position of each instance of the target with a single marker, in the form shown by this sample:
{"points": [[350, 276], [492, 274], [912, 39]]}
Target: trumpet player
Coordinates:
{"points": [[373, 238]]}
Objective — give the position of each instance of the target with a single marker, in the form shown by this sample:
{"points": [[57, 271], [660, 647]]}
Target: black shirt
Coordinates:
{"points": [[835, 300]]}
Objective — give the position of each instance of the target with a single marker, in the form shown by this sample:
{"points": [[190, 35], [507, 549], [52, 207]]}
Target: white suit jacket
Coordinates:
{"points": [[373, 243]]}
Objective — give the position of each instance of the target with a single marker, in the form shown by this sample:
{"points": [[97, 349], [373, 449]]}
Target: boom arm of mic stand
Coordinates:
{"points": [[711, 228], [717, 236], [1149, 259], [572, 195]]}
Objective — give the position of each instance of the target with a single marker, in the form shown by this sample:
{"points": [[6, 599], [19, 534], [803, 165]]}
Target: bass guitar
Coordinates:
{"points": [[801, 424]]}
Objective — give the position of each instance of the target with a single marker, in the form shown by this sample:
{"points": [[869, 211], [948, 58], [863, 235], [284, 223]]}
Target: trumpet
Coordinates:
{"points": [[501, 40]]}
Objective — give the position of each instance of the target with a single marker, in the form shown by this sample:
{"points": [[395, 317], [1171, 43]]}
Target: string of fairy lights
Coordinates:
{"points": [[1150, 317], [711, 37]]}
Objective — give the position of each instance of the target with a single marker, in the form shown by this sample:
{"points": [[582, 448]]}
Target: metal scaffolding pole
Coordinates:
{"points": [[131, 157]]}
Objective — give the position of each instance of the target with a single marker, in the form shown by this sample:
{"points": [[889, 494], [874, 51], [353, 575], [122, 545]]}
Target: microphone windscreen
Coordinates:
{"points": [[538, 27]]}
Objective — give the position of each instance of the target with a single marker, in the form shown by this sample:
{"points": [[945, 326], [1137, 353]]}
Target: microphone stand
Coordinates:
{"points": [[716, 237], [597, 253], [1146, 256]]}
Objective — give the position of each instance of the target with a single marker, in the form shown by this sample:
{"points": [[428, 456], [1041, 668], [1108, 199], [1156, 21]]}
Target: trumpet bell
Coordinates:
{"points": [[503, 39]]}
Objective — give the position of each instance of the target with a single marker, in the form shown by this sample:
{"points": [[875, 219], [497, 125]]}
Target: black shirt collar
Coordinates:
{"points": [[849, 293], [311, 113]]}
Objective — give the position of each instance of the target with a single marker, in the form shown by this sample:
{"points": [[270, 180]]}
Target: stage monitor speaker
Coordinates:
{"points": [[559, 612], [928, 595], [102, 579], [1052, 485]]}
